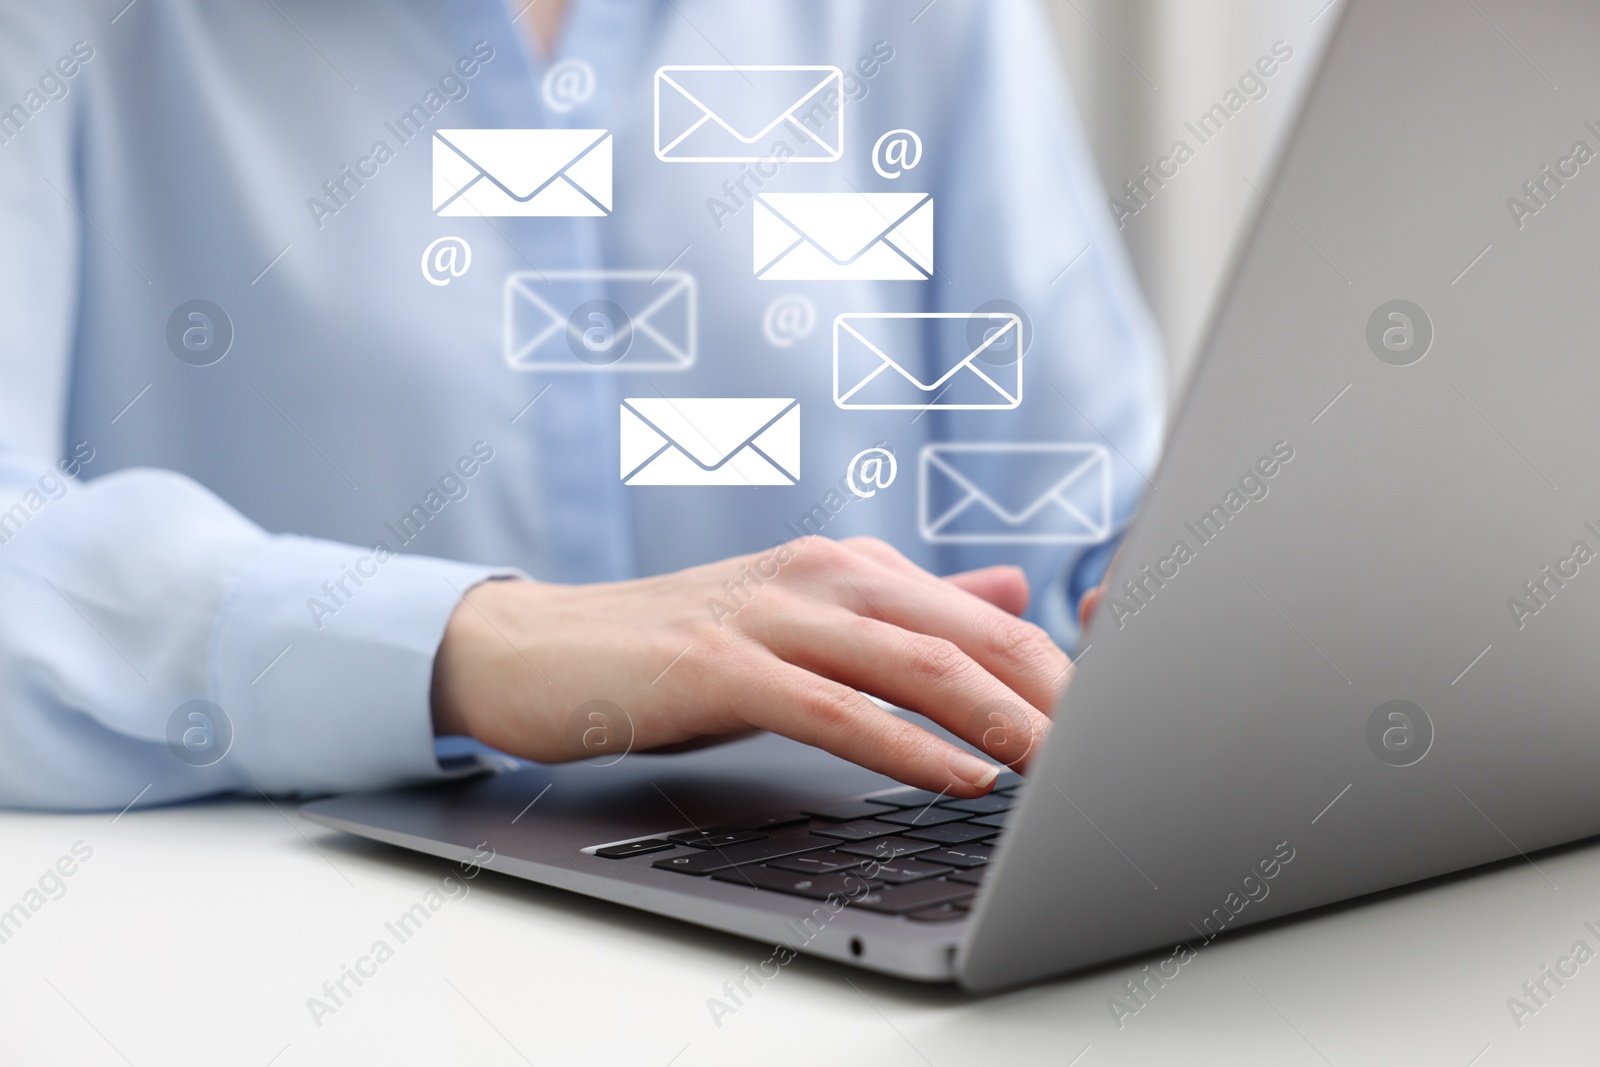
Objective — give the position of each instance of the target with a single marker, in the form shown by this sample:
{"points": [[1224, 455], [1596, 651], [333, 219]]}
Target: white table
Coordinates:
{"points": [[197, 934]]}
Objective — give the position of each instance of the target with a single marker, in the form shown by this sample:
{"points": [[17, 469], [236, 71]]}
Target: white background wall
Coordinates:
{"points": [[1139, 69]]}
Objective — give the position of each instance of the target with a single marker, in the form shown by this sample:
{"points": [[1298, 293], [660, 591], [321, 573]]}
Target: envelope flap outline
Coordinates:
{"points": [[527, 296], [638, 321], [520, 282], [1085, 461], [643, 321], [521, 162], [1011, 324], [743, 126], [667, 291], [843, 225], [680, 422]]}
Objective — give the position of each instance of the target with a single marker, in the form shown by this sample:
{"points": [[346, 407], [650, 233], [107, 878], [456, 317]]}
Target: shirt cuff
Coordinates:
{"points": [[322, 661], [1090, 571], [1060, 612]]}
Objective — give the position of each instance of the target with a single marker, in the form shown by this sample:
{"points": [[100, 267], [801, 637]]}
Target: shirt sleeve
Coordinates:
{"points": [[124, 598]]}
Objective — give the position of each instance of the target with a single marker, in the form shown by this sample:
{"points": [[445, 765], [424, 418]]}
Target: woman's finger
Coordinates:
{"points": [[818, 711], [1005, 587], [925, 674]]}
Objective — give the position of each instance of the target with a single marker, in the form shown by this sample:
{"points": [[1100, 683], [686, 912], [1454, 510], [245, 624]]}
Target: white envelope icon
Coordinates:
{"points": [[1014, 493], [738, 114], [556, 321], [521, 172], [710, 441], [916, 361], [844, 236]]}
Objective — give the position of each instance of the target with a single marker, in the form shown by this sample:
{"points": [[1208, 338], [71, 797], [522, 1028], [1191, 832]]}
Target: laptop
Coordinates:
{"points": [[1351, 638]]}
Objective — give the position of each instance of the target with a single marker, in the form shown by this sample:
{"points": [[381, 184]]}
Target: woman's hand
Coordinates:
{"points": [[786, 640]]}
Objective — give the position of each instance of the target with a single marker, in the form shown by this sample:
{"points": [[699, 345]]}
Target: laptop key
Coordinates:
{"points": [[911, 798], [859, 831], [997, 820], [964, 856], [972, 877], [848, 811], [984, 805], [943, 913], [634, 848], [824, 862], [924, 816], [886, 849], [709, 839], [773, 822], [705, 862], [815, 886], [906, 870], [956, 833], [899, 899]]}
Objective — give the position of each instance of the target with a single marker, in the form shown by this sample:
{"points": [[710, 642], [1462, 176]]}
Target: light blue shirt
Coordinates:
{"points": [[171, 532]]}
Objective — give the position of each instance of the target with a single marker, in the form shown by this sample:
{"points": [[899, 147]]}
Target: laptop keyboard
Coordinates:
{"points": [[907, 852]]}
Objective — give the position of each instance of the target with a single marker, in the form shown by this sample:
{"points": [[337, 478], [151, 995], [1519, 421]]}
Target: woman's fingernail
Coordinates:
{"points": [[972, 770]]}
